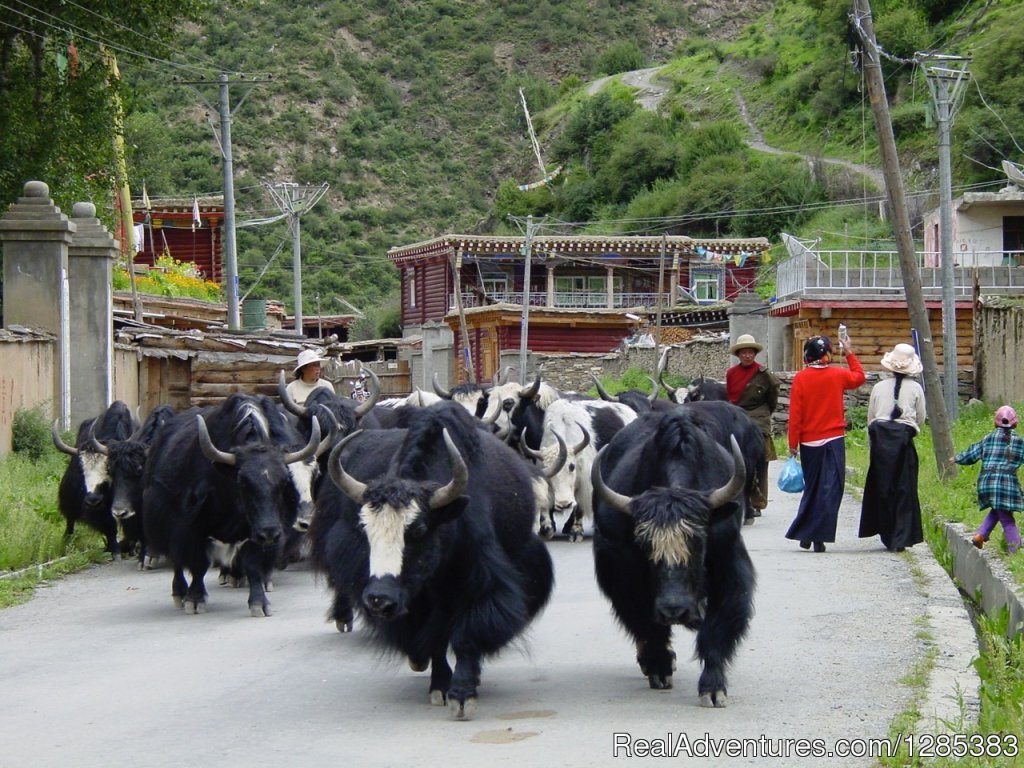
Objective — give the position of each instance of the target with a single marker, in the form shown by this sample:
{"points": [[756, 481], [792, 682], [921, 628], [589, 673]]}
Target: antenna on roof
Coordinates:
{"points": [[546, 177]]}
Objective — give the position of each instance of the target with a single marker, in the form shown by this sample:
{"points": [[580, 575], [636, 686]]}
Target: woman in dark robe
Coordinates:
{"points": [[891, 509]]}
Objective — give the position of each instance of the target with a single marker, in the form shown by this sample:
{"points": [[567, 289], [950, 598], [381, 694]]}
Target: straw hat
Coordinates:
{"points": [[902, 359], [306, 357], [746, 341]]}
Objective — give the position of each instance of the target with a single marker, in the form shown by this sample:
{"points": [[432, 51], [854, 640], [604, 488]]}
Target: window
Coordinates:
{"points": [[571, 284], [412, 287], [706, 285], [495, 286]]}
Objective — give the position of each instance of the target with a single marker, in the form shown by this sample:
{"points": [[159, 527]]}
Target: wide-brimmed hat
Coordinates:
{"points": [[306, 357], [746, 341], [902, 359]]}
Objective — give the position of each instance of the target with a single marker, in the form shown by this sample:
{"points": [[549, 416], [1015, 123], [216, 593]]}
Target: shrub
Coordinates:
{"points": [[621, 57], [30, 433]]}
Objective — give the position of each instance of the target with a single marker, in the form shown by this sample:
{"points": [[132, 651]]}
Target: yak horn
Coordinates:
{"points": [[312, 447], [728, 492], [530, 392], [286, 400], [602, 392], [670, 390], [438, 389], [347, 484], [613, 499], [460, 476], [212, 452], [365, 407], [59, 444], [654, 391], [95, 444]]}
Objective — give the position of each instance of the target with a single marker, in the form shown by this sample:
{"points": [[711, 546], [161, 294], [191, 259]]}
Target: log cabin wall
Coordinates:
{"points": [[876, 330]]}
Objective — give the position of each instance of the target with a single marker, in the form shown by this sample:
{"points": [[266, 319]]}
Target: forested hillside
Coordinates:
{"points": [[410, 111]]}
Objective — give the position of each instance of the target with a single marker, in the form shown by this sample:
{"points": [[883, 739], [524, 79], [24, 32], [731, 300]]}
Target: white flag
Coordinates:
{"points": [[196, 221]]}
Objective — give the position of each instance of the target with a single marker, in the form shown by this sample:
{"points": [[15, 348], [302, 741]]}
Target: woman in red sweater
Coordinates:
{"points": [[817, 426]]}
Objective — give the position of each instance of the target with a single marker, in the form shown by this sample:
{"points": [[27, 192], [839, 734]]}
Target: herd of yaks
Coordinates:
{"points": [[428, 514]]}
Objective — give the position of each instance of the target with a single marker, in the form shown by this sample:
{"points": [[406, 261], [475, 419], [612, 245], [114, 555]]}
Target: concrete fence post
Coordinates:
{"points": [[90, 257], [35, 236]]}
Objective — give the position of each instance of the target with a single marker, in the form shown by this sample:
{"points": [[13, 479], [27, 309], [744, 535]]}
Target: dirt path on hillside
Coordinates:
{"points": [[650, 93]]}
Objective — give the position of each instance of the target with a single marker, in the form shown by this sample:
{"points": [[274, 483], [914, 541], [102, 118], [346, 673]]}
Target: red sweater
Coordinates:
{"points": [[816, 409]]}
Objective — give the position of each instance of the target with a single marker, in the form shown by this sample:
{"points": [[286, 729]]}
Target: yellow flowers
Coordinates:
{"points": [[170, 277]]}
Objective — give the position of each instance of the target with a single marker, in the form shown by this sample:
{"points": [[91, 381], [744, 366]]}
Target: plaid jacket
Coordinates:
{"points": [[998, 486]]}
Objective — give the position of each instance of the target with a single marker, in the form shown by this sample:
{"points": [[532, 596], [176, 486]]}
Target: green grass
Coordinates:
{"points": [[31, 527], [1000, 663]]}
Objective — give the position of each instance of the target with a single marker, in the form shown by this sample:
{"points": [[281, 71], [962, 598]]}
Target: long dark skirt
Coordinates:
{"points": [[824, 483], [891, 509]]}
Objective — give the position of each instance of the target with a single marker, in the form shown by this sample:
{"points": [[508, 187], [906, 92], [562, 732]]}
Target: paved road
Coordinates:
{"points": [[99, 669]]}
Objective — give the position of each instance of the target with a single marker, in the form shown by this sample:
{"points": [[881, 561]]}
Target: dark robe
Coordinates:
{"points": [[824, 482], [891, 509]]}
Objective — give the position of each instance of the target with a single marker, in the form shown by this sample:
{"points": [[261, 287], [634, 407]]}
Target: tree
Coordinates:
{"points": [[56, 123]]}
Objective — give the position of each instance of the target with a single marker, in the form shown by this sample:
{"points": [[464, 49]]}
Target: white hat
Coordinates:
{"points": [[746, 341], [902, 359], [306, 357]]}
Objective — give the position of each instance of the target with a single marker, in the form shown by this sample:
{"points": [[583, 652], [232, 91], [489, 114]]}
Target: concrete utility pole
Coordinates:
{"points": [[227, 171], [941, 438], [294, 201], [524, 327], [946, 76]]}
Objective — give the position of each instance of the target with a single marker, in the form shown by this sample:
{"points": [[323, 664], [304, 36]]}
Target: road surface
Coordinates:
{"points": [[100, 670]]}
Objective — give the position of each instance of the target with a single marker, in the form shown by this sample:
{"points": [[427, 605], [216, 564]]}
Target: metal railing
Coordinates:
{"points": [[878, 273], [566, 300]]}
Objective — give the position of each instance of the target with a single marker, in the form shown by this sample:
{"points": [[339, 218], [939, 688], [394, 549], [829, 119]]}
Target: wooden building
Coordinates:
{"points": [[169, 225], [585, 292]]}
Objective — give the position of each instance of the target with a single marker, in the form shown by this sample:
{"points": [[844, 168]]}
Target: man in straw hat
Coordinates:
{"points": [[307, 376], [890, 508], [755, 389]]}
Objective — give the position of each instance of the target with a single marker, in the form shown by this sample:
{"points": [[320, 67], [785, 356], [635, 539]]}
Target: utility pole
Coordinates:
{"points": [[941, 438], [228, 174], [946, 76], [524, 327], [294, 201], [467, 354]]}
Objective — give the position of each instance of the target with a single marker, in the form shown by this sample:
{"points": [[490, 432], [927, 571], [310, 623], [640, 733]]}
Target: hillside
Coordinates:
{"points": [[410, 112]]}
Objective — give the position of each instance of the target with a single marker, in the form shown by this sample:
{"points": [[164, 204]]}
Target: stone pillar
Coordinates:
{"points": [[610, 287], [90, 256], [35, 236], [551, 286]]}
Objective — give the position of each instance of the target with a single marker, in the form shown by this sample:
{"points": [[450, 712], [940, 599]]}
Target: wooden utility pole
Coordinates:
{"points": [[871, 61], [467, 353]]}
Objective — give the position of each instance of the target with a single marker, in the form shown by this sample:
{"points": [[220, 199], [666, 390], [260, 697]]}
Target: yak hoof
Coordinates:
{"points": [[268, 587], [660, 682], [116, 557], [576, 536], [343, 626], [437, 698], [192, 607], [178, 602], [547, 533], [462, 710], [714, 699], [418, 666], [259, 610]]}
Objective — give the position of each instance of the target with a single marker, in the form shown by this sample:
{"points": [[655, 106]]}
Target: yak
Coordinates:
{"points": [[428, 533], [667, 545]]}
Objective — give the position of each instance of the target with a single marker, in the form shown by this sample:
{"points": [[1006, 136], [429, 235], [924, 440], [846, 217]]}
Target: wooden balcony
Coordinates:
{"points": [[562, 300]]}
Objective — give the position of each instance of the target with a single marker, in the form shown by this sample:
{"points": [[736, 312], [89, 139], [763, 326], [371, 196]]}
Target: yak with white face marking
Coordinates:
{"points": [[85, 493], [667, 544], [428, 533]]}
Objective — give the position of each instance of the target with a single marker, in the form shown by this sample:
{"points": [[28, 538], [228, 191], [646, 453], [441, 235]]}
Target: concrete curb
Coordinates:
{"points": [[951, 700], [983, 576]]}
